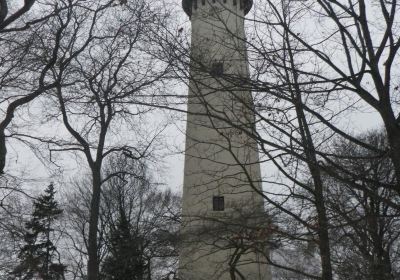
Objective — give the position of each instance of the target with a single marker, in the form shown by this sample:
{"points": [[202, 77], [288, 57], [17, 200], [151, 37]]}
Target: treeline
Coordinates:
{"points": [[81, 82], [138, 230]]}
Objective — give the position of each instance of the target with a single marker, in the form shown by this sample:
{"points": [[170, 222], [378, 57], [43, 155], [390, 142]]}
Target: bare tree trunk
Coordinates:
{"points": [[4, 20], [93, 262], [322, 227], [381, 267], [323, 234], [312, 163], [10, 115], [3, 151], [393, 136]]}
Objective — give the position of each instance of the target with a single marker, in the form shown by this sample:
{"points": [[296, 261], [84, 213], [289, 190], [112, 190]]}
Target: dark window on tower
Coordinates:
{"points": [[217, 69], [218, 203]]}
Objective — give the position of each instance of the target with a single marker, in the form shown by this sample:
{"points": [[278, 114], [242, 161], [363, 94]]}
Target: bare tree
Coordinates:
{"points": [[101, 103], [313, 64], [30, 46], [90, 60], [152, 215], [365, 70], [365, 232], [7, 18], [14, 209]]}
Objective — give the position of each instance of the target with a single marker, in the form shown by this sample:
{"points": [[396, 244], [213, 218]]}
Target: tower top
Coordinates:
{"points": [[188, 5]]}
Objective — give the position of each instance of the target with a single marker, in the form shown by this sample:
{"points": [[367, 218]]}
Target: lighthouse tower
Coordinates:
{"points": [[224, 229]]}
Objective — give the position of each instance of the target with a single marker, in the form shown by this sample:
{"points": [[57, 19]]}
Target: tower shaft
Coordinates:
{"points": [[223, 211]]}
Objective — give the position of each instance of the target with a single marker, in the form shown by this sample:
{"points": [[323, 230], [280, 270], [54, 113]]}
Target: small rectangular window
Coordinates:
{"points": [[218, 203], [217, 69]]}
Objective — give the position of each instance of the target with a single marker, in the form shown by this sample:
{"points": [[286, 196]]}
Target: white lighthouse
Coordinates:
{"points": [[224, 229]]}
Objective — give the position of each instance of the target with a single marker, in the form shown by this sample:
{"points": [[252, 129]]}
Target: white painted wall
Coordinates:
{"points": [[219, 158]]}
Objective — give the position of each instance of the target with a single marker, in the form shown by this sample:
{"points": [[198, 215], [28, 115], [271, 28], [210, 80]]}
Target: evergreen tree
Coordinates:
{"points": [[125, 261], [37, 255]]}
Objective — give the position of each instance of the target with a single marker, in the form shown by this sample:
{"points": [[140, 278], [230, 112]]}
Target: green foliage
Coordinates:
{"points": [[37, 255], [125, 261]]}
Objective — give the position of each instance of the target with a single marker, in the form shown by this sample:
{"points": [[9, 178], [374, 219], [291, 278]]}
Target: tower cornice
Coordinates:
{"points": [[189, 5]]}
